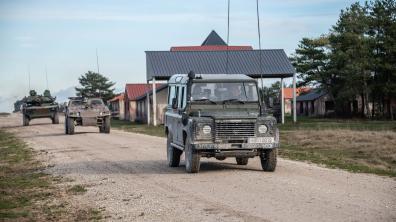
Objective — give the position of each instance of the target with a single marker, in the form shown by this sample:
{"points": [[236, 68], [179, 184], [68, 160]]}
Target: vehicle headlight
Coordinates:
{"points": [[206, 129], [262, 129]]}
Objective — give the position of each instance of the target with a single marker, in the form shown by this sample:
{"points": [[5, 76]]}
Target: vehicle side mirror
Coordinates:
{"points": [[174, 103]]}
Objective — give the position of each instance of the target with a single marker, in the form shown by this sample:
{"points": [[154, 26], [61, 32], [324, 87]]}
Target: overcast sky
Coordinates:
{"points": [[63, 35]]}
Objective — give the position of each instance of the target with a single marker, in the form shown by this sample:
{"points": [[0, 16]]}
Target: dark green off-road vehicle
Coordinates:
{"points": [[218, 116]]}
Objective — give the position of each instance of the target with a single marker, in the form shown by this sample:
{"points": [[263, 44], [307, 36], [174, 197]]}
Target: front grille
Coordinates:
{"points": [[234, 130]]}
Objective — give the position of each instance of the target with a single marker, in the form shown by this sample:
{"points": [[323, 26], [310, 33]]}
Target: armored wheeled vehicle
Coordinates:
{"points": [[218, 116], [87, 112], [39, 106]]}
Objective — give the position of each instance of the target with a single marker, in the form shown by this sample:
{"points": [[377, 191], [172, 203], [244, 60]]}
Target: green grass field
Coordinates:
{"points": [[351, 144]]}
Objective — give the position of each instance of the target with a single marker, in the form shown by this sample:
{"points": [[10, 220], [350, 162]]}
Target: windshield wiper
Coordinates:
{"points": [[204, 100], [233, 100]]}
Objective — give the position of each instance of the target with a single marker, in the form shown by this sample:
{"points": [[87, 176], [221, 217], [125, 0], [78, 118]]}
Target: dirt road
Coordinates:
{"points": [[127, 175]]}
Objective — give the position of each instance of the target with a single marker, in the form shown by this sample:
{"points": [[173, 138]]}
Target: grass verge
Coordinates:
{"points": [[29, 194], [355, 151], [138, 128]]}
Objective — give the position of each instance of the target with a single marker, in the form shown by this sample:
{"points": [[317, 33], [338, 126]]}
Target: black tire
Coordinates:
{"points": [[55, 119], [173, 154], [66, 126], [25, 120], [242, 160], [106, 124], [192, 158], [220, 158], [70, 125], [269, 159]]}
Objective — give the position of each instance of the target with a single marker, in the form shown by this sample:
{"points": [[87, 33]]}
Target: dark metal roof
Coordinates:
{"points": [[163, 64], [313, 95], [213, 39]]}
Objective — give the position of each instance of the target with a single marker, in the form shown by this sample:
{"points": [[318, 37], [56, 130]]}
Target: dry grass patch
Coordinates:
{"points": [[357, 151], [29, 194]]}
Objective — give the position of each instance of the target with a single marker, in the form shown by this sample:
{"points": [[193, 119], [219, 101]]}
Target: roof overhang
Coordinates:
{"points": [[272, 63]]}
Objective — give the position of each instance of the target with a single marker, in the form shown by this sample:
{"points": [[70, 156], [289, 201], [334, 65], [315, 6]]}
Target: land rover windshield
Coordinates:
{"points": [[241, 92]]}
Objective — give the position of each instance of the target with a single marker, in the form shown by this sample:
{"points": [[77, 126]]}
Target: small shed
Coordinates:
{"points": [[317, 102]]}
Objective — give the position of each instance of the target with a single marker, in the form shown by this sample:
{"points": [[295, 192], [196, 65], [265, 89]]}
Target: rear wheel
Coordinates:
{"points": [[192, 158], [268, 159], [173, 154], [55, 119], [242, 160], [25, 120], [70, 125]]}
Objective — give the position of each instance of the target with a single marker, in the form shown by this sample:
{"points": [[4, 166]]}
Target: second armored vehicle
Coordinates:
{"points": [[87, 112], [37, 106]]}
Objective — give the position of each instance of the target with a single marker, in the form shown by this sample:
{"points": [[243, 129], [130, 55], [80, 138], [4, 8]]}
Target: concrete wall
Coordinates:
{"points": [[132, 111], [162, 97], [122, 109]]}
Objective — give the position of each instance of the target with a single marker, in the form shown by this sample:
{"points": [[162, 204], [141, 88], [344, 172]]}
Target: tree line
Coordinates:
{"points": [[355, 60]]}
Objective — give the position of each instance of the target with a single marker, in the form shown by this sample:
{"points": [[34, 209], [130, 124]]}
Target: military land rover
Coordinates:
{"points": [[87, 112], [218, 116]]}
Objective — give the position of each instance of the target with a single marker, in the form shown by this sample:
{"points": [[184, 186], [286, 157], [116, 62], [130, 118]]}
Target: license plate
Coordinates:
{"points": [[261, 140]]}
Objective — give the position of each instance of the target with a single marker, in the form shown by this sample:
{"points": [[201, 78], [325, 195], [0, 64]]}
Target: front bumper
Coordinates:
{"points": [[234, 146]]}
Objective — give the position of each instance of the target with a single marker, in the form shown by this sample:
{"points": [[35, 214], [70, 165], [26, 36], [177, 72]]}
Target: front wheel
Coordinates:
{"points": [[192, 158], [55, 119], [269, 159], [173, 154], [25, 120], [70, 126], [106, 125]]}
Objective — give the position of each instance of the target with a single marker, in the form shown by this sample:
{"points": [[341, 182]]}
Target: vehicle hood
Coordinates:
{"points": [[226, 114]]}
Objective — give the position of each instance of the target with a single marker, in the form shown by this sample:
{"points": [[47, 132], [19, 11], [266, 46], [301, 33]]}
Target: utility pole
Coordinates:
{"points": [[29, 77], [97, 60], [46, 76]]}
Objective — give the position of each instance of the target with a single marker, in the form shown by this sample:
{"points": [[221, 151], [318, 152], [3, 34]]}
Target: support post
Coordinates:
{"points": [[154, 104], [148, 107], [282, 103], [294, 99]]}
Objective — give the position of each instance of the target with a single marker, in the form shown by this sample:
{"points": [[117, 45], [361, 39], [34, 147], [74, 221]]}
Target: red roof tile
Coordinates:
{"points": [[118, 97], [210, 48], [289, 92], [135, 90]]}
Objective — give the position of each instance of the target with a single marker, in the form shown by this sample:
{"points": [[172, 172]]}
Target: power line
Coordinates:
{"points": [[228, 35], [29, 76], [259, 39]]}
